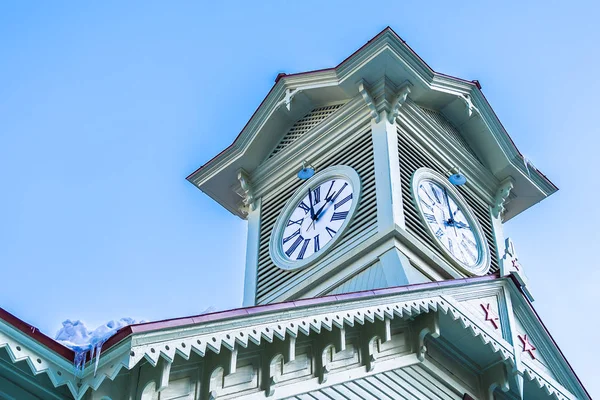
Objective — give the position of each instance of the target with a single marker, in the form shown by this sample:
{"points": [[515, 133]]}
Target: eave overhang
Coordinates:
{"points": [[227, 330], [386, 56]]}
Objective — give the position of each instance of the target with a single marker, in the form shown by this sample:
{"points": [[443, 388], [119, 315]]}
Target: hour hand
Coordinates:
{"points": [[312, 210]]}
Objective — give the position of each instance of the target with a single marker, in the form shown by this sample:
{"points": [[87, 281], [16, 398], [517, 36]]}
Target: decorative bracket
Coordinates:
{"points": [[509, 264], [247, 193], [399, 101], [287, 98], [496, 377], [469, 103], [362, 89], [501, 198], [427, 324], [164, 376]]}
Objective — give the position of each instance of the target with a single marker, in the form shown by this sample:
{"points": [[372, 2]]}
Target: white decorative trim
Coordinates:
{"points": [[247, 193], [275, 248], [509, 264], [483, 263], [39, 359], [400, 99], [362, 89], [308, 320], [501, 197], [469, 104]]}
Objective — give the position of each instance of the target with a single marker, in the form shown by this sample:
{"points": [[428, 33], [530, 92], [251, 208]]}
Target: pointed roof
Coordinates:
{"points": [[294, 95]]}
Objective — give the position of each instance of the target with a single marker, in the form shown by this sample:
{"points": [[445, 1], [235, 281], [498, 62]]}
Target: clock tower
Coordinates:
{"points": [[383, 133], [376, 266]]}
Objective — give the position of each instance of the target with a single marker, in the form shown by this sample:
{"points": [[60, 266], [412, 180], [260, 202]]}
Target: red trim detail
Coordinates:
{"points": [[387, 29], [36, 335], [518, 285]]}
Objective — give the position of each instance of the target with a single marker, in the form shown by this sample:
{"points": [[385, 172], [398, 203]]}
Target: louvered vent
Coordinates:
{"points": [[310, 120], [358, 155], [450, 130], [413, 157]]}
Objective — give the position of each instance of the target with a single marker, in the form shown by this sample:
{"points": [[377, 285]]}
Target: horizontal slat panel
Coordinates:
{"points": [[360, 157], [413, 382], [413, 157]]}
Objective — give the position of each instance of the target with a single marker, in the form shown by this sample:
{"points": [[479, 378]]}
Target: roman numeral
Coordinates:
{"points": [[329, 191], [439, 233], [291, 222], [339, 192], [429, 206], [330, 231], [469, 251], [287, 239], [339, 216], [294, 245], [450, 246], [317, 244], [317, 195], [430, 218], [426, 194], [435, 194], [342, 201], [304, 207], [472, 243], [303, 249]]}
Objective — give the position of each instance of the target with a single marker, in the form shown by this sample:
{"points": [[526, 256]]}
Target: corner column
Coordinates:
{"points": [[387, 173], [252, 248]]}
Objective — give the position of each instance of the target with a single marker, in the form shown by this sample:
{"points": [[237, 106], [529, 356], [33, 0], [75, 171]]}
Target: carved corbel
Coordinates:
{"points": [[247, 192], [495, 377], [291, 350], [427, 324], [372, 352], [233, 360], [341, 342], [509, 264], [216, 382], [326, 354], [275, 372], [469, 104], [288, 96], [501, 198], [164, 375], [362, 89], [399, 100]]}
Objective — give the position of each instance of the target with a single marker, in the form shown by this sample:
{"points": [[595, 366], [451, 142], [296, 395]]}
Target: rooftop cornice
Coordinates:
{"points": [[424, 76]]}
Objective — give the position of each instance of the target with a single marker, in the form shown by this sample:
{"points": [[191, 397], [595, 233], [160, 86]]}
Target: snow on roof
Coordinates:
{"points": [[76, 336]]}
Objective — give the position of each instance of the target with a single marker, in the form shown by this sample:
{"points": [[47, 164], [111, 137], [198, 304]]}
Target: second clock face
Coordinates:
{"points": [[317, 218], [447, 221]]}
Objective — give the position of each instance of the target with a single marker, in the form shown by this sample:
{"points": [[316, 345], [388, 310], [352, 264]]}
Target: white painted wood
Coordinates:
{"points": [[252, 250], [387, 174]]}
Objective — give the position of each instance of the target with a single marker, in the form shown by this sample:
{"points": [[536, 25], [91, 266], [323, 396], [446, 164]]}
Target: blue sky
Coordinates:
{"points": [[105, 108]]}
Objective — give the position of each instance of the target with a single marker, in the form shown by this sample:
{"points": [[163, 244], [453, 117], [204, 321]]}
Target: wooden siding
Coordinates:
{"points": [[412, 382], [413, 157], [358, 154], [372, 277]]}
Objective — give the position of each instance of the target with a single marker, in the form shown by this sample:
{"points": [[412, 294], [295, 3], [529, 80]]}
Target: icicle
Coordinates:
{"points": [[79, 362], [76, 336], [98, 350]]}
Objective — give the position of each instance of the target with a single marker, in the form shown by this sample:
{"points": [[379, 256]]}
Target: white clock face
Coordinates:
{"points": [[448, 222], [317, 218]]}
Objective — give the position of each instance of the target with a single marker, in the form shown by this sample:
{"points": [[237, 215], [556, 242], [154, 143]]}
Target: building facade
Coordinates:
{"points": [[376, 266]]}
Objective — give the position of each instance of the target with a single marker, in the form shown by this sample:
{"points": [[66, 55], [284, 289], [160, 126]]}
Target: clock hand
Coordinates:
{"points": [[459, 224], [451, 221], [327, 201], [312, 210]]}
